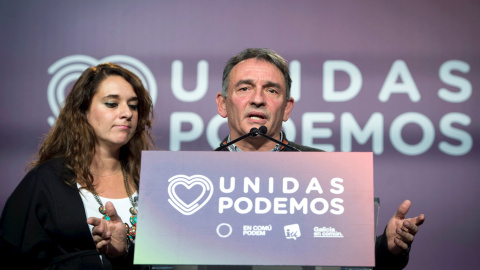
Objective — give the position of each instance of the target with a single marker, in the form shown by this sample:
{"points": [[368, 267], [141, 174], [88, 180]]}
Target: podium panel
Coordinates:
{"points": [[256, 208]]}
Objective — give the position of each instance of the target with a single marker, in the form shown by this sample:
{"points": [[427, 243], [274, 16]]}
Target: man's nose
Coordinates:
{"points": [[258, 97]]}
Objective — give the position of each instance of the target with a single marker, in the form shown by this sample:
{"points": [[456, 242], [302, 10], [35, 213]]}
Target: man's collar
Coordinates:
{"points": [[277, 148]]}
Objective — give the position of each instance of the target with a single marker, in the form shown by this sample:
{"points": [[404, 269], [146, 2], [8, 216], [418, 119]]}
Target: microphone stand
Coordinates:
{"points": [[253, 132], [277, 141]]}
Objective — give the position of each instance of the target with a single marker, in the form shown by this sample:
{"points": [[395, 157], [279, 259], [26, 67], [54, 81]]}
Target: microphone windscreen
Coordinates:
{"points": [[263, 129]]}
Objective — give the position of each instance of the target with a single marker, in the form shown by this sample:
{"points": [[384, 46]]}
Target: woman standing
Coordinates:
{"points": [[91, 156]]}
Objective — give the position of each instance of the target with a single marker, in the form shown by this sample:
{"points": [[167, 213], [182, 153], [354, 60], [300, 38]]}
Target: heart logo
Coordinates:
{"points": [[192, 199]]}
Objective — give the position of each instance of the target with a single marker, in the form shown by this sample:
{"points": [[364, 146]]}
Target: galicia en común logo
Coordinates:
{"points": [[324, 232]]}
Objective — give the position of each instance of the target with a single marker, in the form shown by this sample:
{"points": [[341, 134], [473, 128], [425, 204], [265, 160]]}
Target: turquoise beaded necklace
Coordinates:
{"points": [[131, 231]]}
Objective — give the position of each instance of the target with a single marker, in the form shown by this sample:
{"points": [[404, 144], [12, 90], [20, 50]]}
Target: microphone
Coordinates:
{"points": [[253, 132], [263, 132], [263, 129]]}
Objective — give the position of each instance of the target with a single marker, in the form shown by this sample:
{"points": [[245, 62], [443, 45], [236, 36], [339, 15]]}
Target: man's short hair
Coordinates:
{"points": [[264, 54]]}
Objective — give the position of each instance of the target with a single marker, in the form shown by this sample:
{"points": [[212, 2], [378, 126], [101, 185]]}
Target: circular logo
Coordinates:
{"points": [[223, 234], [69, 69]]}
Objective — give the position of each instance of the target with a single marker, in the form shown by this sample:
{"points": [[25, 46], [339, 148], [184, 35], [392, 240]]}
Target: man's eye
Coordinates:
{"points": [[243, 89], [273, 91], [111, 104]]}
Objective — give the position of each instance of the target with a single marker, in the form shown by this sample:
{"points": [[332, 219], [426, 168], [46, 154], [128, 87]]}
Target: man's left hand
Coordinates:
{"points": [[401, 231]]}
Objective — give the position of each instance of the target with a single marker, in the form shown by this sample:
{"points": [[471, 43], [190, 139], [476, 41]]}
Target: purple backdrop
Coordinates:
{"points": [[398, 78]]}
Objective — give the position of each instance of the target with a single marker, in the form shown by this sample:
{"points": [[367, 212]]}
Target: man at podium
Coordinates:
{"points": [[255, 98]]}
